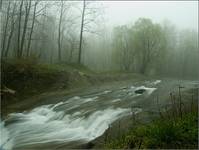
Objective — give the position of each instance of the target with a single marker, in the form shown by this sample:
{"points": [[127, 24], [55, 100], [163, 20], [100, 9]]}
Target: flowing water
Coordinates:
{"points": [[79, 118]]}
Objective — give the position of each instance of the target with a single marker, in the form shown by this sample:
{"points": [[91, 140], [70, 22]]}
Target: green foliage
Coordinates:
{"points": [[25, 74], [28, 77], [163, 133], [150, 48], [122, 44], [66, 67], [139, 46]]}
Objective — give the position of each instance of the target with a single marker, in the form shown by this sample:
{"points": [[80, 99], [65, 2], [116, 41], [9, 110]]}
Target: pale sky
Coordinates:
{"points": [[183, 14]]}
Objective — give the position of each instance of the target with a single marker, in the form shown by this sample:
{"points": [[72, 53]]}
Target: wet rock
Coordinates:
{"points": [[89, 145], [140, 91]]}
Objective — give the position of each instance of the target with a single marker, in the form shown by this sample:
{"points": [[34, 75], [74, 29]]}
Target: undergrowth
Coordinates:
{"points": [[166, 132]]}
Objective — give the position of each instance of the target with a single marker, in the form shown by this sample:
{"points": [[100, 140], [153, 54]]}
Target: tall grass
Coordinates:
{"points": [[177, 128]]}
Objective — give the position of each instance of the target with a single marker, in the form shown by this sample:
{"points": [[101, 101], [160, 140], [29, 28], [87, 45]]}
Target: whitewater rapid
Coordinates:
{"points": [[75, 119]]}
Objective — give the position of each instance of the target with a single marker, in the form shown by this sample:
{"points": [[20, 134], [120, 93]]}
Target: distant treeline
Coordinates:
{"points": [[75, 32], [147, 47]]}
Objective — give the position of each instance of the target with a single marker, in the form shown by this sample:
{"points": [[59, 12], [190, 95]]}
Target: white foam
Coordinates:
{"points": [[58, 104], [106, 92], [49, 124], [132, 89], [74, 102], [6, 142], [43, 125], [148, 90], [91, 99], [156, 82], [116, 100]]}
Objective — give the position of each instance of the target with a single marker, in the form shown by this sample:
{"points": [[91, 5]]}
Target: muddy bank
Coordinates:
{"points": [[32, 82]]}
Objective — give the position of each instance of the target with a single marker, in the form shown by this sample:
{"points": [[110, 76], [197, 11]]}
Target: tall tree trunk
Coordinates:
{"points": [[32, 28], [42, 36], [28, 6], [71, 52], [11, 31], [59, 32], [19, 30], [81, 32], [5, 30], [1, 1]]}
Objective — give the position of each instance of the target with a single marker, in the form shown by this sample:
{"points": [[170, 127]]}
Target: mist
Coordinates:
{"points": [[181, 13], [96, 74]]}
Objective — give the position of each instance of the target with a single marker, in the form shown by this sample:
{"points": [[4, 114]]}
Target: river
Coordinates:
{"points": [[73, 119]]}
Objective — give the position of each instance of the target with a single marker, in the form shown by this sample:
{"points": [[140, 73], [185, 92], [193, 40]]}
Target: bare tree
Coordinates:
{"points": [[81, 32], [66, 22], [11, 30], [19, 29], [59, 30], [27, 12], [32, 28], [89, 16], [73, 43], [6, 28], [1, 4]]}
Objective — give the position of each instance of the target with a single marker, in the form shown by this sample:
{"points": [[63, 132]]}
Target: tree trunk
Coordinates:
{"points": [[28, 6], [11, 32], [71, 51], [144, 63], [5, 29], [19, 30], [59, 32], [32, 28], [81, 33]]}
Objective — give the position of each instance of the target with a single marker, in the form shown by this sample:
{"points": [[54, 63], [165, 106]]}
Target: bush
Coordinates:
{"points": [[164, 134]]}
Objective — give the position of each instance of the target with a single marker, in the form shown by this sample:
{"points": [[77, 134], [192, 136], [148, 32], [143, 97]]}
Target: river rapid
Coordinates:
{"points": [[78, 118]]}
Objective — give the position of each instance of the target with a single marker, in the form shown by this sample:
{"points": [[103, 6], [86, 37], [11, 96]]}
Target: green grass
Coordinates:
{"points": [[69, 67], [161, 134], [28, 77], [20, 75]]}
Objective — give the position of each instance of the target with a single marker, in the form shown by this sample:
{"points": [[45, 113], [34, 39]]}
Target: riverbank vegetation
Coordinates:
{"points": [[175, 128], [24, 78]]}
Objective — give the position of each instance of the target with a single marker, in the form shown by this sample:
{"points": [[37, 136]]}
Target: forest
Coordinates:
{"points": [[65, 65], [77, 33]]}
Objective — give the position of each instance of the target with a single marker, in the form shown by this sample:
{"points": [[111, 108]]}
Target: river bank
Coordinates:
{"points": [[94, 110], [30, 81]]}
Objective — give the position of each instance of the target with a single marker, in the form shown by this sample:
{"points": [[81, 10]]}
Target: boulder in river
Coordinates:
{"points": [[140, 91]]}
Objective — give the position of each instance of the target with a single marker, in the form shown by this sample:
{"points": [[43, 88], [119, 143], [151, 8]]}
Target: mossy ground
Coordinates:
{"points": [[29, 78]]}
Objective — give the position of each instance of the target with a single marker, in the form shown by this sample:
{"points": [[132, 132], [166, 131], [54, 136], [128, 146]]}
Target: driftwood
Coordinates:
{"points": [[6, 90]]}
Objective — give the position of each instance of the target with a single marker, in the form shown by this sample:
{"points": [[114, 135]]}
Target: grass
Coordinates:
{"points": [[161, 134], [165, 132], [28, 77], [67, 67]]}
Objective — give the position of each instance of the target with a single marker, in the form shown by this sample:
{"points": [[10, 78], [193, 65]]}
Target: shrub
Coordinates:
{"points": [[166, 134]]}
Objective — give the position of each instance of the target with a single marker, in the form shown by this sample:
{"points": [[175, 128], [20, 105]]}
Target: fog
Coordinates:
{"points": [[183, 14], [88, 33], [85, 74]]}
